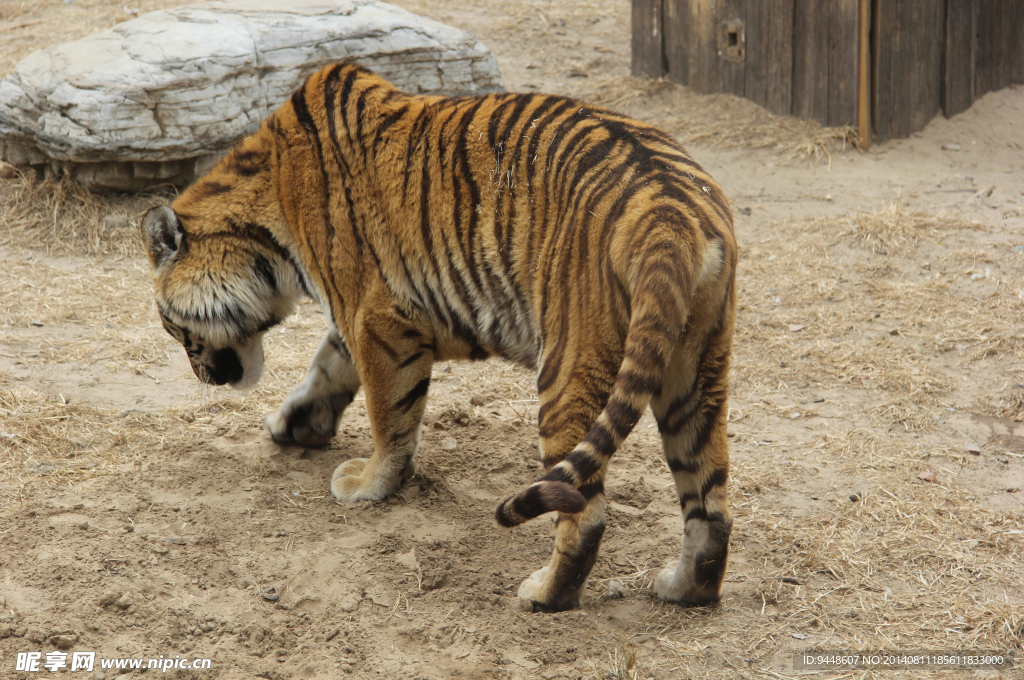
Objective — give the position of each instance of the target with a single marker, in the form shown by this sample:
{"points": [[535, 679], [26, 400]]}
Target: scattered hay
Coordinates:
{"points": [[812, 312], [60, 216], [894, 230], [1014, 405], [718, 119], [48, 442], [622, 663]]}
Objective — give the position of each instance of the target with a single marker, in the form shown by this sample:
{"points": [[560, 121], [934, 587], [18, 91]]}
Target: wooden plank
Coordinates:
{"points": [[863, 75], [701, 17], [1017, 62], [647, 37], [779, 85], [928, 31], [730, 37], [1006, 42], [883, 29], [702, 48], [675, 41], [810, 59], [906, 79], [1000, 43], [982, 47], [755, 75], [958, 77], [843, 40]]}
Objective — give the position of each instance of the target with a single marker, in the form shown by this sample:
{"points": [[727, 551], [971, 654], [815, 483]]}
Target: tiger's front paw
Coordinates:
{"points": [[533, 590], [307, 420], [677, 587], [354, 480]]}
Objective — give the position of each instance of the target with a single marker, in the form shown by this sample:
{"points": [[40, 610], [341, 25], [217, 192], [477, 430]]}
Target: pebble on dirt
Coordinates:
{"points": [[109, 598]]}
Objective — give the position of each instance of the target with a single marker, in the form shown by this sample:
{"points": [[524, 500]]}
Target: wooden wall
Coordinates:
{"points": [[803, 57], [984, 50]]}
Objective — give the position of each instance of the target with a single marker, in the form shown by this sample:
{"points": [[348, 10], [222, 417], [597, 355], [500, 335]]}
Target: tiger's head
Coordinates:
{"points": [[219, 287]]}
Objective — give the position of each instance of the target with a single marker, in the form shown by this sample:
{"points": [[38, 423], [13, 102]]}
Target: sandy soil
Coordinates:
{"points": [[879, 339]]}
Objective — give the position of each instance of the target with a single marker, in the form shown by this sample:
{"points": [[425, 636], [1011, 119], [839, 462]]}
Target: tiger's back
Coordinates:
{"points": [[557, 235]]}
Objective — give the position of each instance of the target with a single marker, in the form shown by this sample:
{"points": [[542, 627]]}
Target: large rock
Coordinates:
{"points": [[157, 99]]}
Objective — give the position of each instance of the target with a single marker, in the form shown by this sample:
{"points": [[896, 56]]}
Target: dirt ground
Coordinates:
{"points": [[877, 425]]}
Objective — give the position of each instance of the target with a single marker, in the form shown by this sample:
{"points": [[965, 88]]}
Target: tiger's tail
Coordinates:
{"points": [[664, 283]]}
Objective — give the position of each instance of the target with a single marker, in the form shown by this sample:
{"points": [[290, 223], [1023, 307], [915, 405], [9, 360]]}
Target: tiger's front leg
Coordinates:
{"points": [[395, 356], [310, 414]]}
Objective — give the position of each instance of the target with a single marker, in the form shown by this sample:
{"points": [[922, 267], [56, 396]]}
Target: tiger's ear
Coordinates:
{"points": [[163, 234]]}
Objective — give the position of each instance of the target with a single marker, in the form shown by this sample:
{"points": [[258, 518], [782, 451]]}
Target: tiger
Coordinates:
{"points": [[564, 237]]}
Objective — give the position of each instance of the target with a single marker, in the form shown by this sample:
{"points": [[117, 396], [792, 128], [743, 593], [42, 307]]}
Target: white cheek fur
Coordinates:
{"points": [[251, 356]]}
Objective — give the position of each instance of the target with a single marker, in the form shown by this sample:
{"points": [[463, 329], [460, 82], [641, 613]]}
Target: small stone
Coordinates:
{"points": [[616, 590], [5, 630], [477, 400], [270, 594], [449, 444], [37, 323], [7, 171], [64, 640], [124, 602], [109, 598], [928, 476], [973, 449], [245, 584], [855, 496], [351, 602], [382, 600], [35, 635], [188, 416], [435, 581], [949, 146]]}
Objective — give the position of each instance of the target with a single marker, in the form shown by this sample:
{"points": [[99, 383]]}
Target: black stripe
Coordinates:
{"points": [[718, 478], [210, 187], [623, 416], [690, 466], [374, 337], [298, 101], [265, 271], [414, 395], [346, 93], [410, 360], [591, 489], [602, 441], [558, 474], [586, 466], [634, 383]]}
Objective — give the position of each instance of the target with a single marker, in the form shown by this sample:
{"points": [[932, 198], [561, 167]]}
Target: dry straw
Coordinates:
{"points": [[59, 215]]}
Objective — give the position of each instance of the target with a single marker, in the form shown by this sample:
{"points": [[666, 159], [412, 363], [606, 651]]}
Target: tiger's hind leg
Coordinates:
{"points": [[564, 420], [395, 356], [691, 411], [310, 414]]}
